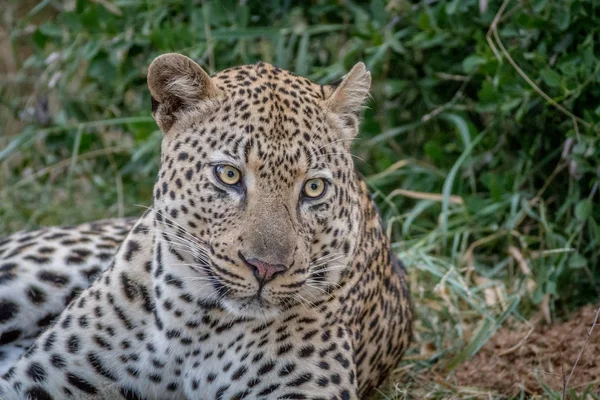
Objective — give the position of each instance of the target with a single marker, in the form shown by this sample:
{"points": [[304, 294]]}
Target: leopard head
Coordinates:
{"points": [[257, 193]]}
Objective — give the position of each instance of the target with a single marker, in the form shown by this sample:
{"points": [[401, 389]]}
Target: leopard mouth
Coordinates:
{"points": [[253, 306], [256, 300]]}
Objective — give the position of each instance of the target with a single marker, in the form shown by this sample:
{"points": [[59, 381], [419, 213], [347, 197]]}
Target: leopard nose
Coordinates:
{"points": [[263, 271]]}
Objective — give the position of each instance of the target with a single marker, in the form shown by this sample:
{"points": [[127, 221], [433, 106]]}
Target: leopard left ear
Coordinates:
{"points": [[176, 84], [349, 96]]}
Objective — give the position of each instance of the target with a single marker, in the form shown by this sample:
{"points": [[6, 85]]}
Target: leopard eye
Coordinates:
{"points": [[227, 174], [314, 188]]}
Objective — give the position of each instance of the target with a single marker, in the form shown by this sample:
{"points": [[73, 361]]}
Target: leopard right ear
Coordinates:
{"points": [[177, 84]]}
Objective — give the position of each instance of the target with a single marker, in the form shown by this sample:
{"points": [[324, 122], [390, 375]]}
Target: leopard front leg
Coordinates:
{"points": [[103, 346]]}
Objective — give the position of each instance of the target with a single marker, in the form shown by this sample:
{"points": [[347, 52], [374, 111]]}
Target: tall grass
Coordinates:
{"points": [[481, 143]]}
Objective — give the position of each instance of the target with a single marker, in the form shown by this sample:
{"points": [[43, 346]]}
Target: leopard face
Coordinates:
{"points": [[256, 193]]}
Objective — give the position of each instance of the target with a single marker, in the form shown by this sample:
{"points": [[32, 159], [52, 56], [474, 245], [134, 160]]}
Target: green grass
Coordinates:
{"points": [[482, 146]]}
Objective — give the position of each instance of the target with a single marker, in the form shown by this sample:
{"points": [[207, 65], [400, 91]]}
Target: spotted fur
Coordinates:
{"points": [[185, 309], [42, 271]]}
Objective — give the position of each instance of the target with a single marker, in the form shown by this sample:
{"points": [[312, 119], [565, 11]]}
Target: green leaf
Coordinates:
{"points": [[39, 38], [434, 151], [550, 77], [576, 261], [583, 210], [471, 64]]}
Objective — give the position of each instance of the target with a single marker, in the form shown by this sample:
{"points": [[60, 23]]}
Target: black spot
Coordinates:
{"points": [[58, 361], [74, 260], [221, 391], [53, 278], [171, 387], [37, 260], [6, 276], [300, 380], [342, 360], [83, 321], [322, 381], [130, 394], [287, 369], [10, 336], [269, 389], [284, 349], [72, 295], [66, 323], [239, 373], [132, 248], [37, 393], [92, 273], [124, 318], [36, 295], [47, 320], [323, 365], [266, 368], [128, 287], [36, 372], [8, 310], [31, 350], [100, 341], [306, 351], [8, 267], [49, 342], [96, 363], [73, 344], [81, 383]]}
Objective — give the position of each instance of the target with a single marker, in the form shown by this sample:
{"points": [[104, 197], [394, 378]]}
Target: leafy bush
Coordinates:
{"points": [[481, 142]]}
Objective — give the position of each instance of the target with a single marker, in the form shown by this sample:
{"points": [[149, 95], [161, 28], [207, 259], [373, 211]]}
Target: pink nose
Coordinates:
{"points": [[264, 271]]}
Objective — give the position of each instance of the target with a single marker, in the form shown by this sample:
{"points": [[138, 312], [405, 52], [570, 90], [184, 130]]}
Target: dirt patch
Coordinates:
{"points": [[531, 356]]}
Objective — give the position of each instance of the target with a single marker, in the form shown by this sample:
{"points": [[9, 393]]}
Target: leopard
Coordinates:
{"points": [[262, 269]]}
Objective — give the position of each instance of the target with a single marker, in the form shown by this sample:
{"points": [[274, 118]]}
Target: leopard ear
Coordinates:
{"points": [[347, 99], [176, 84]]}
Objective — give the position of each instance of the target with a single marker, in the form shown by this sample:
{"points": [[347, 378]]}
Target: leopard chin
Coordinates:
{"points": [[252, 307]]}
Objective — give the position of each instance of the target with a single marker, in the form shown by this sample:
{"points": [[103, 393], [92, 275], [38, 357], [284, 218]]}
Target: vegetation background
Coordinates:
{"points": [[481, 142]]}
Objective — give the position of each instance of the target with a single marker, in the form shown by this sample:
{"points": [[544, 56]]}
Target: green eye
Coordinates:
{"points": [[314, 188], [228, 175]]}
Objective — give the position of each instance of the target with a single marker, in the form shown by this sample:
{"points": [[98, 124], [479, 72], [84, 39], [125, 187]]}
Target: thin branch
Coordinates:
{"points": [[587, 339]]}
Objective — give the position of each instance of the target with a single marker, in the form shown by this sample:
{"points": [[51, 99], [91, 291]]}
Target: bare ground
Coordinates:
{"points": [[528, 356]]}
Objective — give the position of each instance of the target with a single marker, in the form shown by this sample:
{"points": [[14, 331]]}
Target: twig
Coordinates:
{"points": [[518, 345], [549, 180], [587, 339], [424, 196], [493, 26], [447, 105]]}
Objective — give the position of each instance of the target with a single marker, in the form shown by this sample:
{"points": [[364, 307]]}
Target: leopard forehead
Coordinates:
{"points": [[289, 90], [282, 114]]}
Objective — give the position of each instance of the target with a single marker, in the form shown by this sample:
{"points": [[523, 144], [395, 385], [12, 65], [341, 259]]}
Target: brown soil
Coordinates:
{"points": [[530, 356]]}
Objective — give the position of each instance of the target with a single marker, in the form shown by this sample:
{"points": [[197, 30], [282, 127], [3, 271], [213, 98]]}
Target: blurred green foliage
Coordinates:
{"points": [[495, 102]]}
